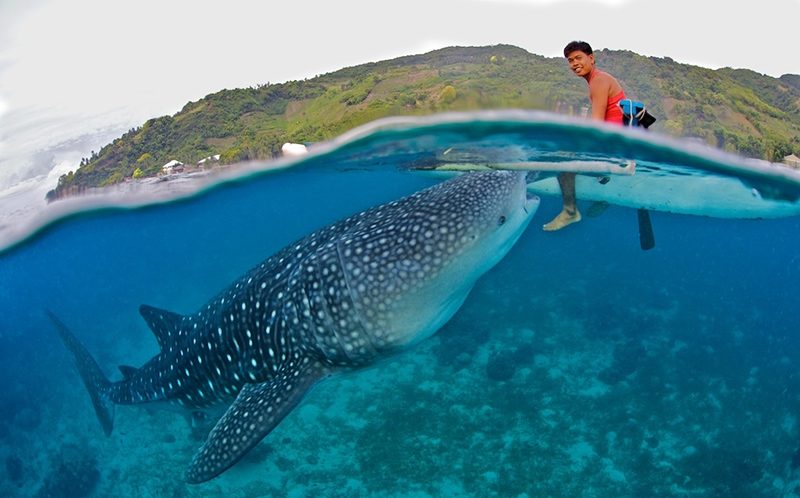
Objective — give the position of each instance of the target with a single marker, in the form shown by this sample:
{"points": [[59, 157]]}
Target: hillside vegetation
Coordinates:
{"points": [[734, 109]]}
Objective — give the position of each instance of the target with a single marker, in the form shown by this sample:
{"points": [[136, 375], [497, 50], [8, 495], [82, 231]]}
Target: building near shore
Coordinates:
{"points": [[209, 159], [171, 167]]}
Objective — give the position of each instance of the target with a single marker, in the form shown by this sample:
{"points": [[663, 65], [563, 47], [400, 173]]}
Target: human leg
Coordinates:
{"points": [[569, 214]]}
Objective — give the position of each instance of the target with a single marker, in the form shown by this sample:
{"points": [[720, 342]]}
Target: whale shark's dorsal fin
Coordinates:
{"points": [[164, 324], [127, 371], [254, 413]]}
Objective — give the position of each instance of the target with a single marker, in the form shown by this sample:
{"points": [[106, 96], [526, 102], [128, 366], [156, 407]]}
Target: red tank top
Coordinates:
{"points": [[613, 110]]}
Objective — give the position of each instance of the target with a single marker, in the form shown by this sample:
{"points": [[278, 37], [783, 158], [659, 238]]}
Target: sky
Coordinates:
{"points": [[74, 74]]}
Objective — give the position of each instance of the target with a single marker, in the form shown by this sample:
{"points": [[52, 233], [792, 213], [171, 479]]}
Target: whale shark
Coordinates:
{"points": [[339, 299]]}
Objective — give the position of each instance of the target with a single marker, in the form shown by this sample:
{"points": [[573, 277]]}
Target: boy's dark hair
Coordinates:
{"points": [[577, 45]]}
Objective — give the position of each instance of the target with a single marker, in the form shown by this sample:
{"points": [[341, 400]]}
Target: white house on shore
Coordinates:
{"points": [[209, 159], [171, 167]]}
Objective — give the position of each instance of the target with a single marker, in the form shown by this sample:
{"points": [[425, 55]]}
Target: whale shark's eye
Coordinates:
{"points": [[501, 220]]}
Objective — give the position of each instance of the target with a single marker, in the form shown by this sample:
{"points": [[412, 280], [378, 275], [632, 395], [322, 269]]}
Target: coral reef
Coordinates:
{"points": [[28, 419], [501, 366], [14, 469], [627, 359], [458, 342], [73, 474], [559, 393]]}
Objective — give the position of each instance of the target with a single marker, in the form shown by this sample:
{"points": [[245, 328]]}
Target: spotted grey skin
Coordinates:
{"points": [[339, 298]]}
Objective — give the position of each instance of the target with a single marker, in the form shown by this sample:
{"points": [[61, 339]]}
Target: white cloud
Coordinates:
{"points": [[432, 44], [3, 110]]}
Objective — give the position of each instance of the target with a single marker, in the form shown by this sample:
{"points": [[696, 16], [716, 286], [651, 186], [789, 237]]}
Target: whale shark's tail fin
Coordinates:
{"points": [[96, 383]]}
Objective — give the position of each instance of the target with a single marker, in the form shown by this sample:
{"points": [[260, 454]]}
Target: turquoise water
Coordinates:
{"points": [[579, 366]]}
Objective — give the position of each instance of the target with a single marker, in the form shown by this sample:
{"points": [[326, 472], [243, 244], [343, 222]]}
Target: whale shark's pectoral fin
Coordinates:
{"points": [[256, 411]]}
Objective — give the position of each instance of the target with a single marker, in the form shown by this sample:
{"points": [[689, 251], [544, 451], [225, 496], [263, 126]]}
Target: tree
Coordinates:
{"points": [[137, 173], [780, 149], [448, 94], [751, 147], [232, 155]]}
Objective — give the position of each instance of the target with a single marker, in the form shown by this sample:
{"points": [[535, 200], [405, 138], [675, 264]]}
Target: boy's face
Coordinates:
{"points": [[580, 63]]}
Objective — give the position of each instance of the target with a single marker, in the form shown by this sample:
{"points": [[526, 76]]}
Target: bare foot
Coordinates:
{"points": [[563, 219]]}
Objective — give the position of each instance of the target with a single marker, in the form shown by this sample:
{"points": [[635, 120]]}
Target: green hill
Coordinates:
{"points": [[735, 109]]}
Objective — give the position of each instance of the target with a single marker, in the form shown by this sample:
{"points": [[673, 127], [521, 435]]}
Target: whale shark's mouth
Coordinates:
{"points": [[531, 202]]}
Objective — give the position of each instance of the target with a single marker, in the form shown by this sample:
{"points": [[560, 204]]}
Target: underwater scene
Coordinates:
{"points": [[498, 360]]}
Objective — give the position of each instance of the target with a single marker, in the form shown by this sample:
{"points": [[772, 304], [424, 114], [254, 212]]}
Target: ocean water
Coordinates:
{"points": [[581, 365]]}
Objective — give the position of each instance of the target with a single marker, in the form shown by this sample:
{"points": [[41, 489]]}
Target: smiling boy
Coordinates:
{"points": [[605, 93]]}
